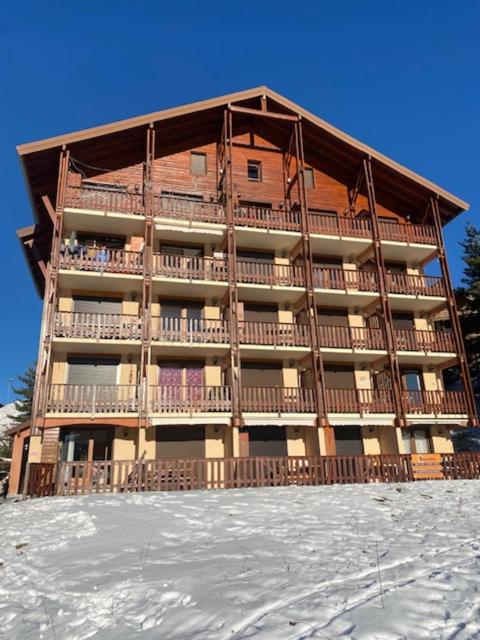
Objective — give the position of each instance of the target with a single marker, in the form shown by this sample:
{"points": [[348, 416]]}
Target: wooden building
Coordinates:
{"points": [[237, 278]]}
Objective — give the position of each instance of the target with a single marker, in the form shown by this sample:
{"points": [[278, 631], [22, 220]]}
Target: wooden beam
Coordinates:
{"points": [[267, 114], [49, 207]]}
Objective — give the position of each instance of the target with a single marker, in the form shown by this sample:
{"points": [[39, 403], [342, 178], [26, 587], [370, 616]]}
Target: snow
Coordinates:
{"points": [[376, 562]]}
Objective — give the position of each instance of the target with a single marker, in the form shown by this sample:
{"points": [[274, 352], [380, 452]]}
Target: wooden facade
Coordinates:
{"points": [[202, 213]]}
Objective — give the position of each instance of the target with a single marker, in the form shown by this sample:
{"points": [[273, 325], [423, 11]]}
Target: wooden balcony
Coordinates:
{"points": [[409, 233], [435, 402], [189, 399], [274, 333], [191, 268], [189, 210], [104, 198], [344, 279], [342, 337], [272, 274], [362, 401], [278, 400], [268, 218], [190, 330], [115, 261], [426, 341], [415, 285], [339, 225], [97, 326], [92, 399]]}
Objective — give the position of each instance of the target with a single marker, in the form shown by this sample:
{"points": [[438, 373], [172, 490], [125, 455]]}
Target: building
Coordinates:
{"points": [[236, 277]]}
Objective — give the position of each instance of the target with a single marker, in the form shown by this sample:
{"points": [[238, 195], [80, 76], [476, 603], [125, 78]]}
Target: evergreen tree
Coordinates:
{"points": [[468, 301], [25, 393]]}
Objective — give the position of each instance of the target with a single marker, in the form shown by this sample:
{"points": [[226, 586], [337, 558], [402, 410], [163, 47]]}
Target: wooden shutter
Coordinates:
{"points": [[92, 370], [338, 377], [262, 375], [90, 304], [267, 441], [180, 442], [348, 441], [334, 317], [260, 313]]}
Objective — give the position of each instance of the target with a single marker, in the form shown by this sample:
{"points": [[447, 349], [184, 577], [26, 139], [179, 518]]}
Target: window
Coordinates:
{"points": [[198, 163], [105, 186], [309, 179], [254, 168], [416, 440]]}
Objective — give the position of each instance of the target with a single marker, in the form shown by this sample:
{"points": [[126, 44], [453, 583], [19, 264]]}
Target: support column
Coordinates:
{"points": [[147, 279], [43, 374], [453, 313], [311, 308], [398, 395], [228, 194]]}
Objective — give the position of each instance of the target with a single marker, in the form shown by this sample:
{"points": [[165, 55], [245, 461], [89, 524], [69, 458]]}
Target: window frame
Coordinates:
{"points": [[198, 154], [258, 165], [309, 171]]}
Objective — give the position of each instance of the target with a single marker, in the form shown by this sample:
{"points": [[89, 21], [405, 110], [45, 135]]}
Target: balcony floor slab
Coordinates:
{"points": [[95, 221]]}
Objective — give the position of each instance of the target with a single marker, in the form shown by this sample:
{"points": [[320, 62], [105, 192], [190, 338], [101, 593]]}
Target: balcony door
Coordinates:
{"points": [[412, 381], [348, 441], [416, 440], [267, 441], [180, 319], [85, 445], [185, 379], [96, 305]]}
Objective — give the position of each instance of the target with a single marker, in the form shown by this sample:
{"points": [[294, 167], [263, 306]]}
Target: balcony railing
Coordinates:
{"points": [[105, 198], [190, 330], [268, 273], [415, 284], [190, 267], [427, 341], [278, 400], [344, 337], [99, 326], [339, 226], [274, 333], [419, 233], [268, 218], [90, 398], [344, 279], [178, 208], [435, 402], [359, 401], [112, 261], [189, 399]]}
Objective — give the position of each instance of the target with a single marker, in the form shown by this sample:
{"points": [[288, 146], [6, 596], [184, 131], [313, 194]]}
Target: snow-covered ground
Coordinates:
{"points": [[352, 562]]}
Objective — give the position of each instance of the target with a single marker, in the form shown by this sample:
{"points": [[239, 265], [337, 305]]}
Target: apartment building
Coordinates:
{"points": [[236, 277]]}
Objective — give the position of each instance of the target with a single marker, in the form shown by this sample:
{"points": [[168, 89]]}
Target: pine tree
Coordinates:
{"points": [[468, 301], [25, 392]]}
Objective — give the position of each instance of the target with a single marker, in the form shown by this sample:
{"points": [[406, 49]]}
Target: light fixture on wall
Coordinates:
{"points": [[215, 361], [291, 363], [286, 306], [214, 301], [125, 432], [284, 253], [130, 359], [133, 296]]}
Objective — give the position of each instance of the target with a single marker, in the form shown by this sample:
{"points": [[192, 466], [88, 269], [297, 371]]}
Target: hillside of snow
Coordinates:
{"points": [[374, 562], [7, 410]]}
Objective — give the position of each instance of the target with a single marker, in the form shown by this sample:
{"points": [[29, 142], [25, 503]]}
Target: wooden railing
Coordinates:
{"points": [[345, 337], [278, 400], [338, 278], [415, 284], [195, 330], [99, 326], [124, 476], [189, 399], [112, 261], [189, 267], [267, 218], [190, 210], [92, 399], [436, 402], [268, 273], [427, 341], [274, 333], [419, 233], [339, 225], [102, 198], [362, 401]]}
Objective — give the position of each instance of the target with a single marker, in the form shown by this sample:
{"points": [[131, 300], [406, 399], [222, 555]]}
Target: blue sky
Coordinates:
{"points": [[400, 76]]}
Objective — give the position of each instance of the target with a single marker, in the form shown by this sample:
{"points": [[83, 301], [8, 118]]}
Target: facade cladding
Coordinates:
{"points": [[233, 278]]}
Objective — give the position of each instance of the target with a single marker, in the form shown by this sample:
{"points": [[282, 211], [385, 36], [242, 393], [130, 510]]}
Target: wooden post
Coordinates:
{"points": [[453, 313]]}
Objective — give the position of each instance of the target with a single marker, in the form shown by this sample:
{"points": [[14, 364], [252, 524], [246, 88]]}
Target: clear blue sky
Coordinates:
{"points": [[400, 76]]}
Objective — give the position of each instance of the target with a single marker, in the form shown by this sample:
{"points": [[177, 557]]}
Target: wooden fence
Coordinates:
{"points": [[122, 476]]}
